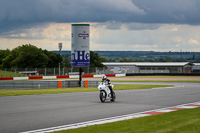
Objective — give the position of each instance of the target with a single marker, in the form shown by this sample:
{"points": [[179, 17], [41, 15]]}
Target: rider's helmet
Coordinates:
{"points": [[104, 78]]}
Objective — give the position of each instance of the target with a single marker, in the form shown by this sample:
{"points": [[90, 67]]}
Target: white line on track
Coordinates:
{"points": [[168, 87], [117, 118]]}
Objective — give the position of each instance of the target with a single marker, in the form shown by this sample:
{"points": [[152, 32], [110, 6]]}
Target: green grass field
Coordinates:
{"points": [[10, 74], [182, 121], [18, 92]]}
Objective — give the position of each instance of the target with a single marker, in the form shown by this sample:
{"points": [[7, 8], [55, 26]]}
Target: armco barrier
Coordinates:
{"points": [[28, 84], [89, 83], [44, 84], [71, 83]]}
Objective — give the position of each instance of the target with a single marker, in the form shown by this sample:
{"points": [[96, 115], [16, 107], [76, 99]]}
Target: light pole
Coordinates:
{"points": [[59, 69], [60, 48]]}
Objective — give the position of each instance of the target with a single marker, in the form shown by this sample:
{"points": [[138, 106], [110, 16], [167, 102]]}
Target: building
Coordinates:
{"points": [[196, 68], [147, 67]]}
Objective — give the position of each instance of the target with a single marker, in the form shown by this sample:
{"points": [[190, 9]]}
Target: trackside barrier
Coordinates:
{"points": [[58, 77], [28, 84], [87, 76], [120, 75], [71, 83], [49, 77], [73, 76], [46, 84], [59, 84], [98, 76], [89, 83], [10, 78], [86, 83], [110, 75], [39, 77], [20, 78]]}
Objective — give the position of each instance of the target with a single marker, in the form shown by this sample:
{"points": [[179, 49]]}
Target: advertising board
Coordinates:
{"points": [[80, 45]]}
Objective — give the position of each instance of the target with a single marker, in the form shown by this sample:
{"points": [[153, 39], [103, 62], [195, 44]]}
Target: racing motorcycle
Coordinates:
{"points": [[105, 92]]}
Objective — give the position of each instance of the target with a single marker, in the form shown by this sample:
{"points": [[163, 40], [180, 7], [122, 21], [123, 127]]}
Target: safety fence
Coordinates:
{"points": [[46, 84], [22, 72]]}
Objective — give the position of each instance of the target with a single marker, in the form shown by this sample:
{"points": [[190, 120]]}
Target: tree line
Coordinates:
{"points": [[29, 56]]}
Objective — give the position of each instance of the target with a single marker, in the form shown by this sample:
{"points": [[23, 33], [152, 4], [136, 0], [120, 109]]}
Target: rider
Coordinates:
{"points": [[107, 81]]}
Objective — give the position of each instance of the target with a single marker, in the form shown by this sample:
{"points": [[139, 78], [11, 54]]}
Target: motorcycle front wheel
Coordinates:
{"points": [[102, 96]]}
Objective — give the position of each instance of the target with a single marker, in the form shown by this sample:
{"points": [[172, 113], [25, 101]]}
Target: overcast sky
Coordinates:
{"points": [[135, 25]]}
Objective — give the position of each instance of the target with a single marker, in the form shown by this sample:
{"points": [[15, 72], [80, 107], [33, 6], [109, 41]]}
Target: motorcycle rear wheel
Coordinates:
{"points": [[102, 96], [113, 97]]}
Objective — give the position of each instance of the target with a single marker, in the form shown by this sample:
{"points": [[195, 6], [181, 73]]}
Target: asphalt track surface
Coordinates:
{"points": [[26, 113]]}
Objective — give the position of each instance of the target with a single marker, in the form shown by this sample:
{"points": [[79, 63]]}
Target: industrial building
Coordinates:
{"points": [[196, 68], [148, 67]]}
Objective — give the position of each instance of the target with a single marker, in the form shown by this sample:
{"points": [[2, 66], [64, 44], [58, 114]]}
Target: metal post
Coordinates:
{"points": [[5, 72], [59, 69], [35, 71], [80, 76], [26, 71]]}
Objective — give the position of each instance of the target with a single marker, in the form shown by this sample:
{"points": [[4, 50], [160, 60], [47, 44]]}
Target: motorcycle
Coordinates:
{"points": [[105, 92]]}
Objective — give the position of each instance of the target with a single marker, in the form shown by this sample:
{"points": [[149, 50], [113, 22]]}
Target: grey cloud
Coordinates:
{"points": [[25, 13], [66, 10], [20, 13], [113, 25], [170, 11], [142, 26]]}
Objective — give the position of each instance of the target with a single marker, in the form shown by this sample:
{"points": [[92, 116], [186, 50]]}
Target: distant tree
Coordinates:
{"points": [[29, 56], [53, 59], [96, 60], [126, 60], [3, 54], [66, 61]]}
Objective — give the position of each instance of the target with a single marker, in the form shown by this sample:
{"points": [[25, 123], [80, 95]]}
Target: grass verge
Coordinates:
{"points": [[10, 74], [19, 92], [182, 121]]}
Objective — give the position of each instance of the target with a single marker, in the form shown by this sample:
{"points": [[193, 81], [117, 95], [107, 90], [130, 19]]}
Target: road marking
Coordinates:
{"points": [[117, 118], [169, 87]]}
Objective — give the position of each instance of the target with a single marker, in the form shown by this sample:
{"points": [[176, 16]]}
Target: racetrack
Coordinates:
{"points": [[25, 113]]}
